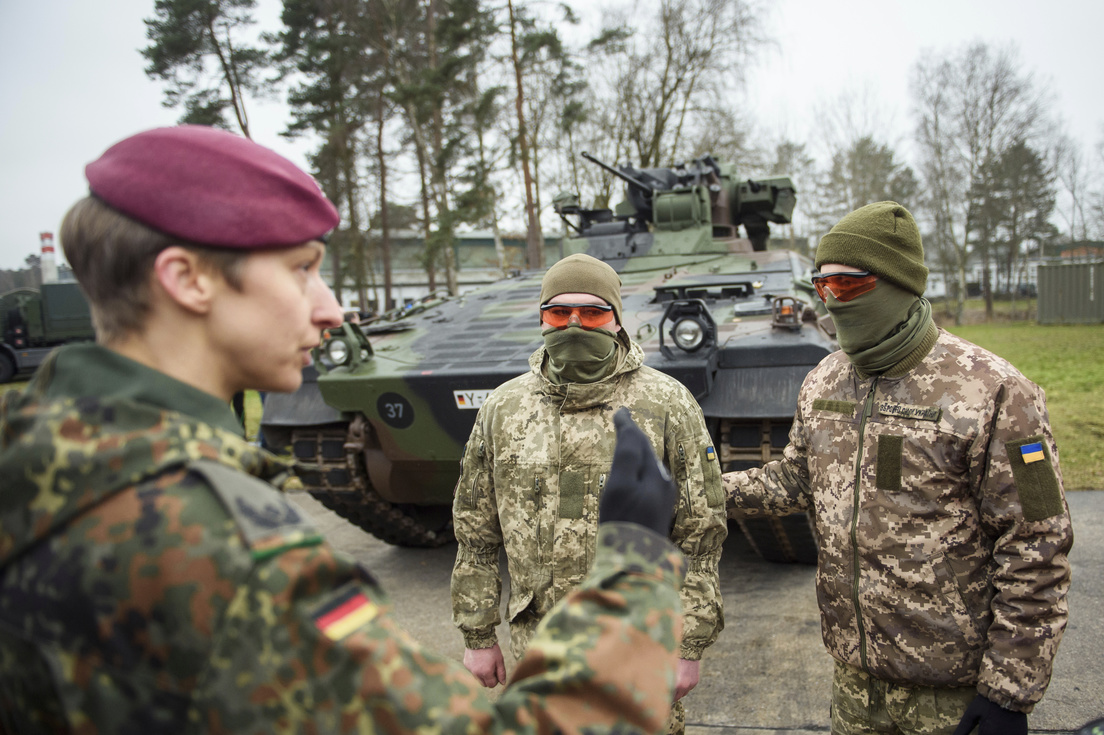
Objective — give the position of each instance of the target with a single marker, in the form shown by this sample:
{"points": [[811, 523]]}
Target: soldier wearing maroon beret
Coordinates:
{"points": [[153, 575]]}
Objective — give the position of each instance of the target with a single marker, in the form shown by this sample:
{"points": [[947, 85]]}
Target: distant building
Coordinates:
{"points": [[1025, 277], [1084, 250], [476, 265]]}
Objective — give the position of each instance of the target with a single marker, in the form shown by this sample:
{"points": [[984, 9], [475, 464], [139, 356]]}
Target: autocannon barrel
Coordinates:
{"points": [[618, 173]]}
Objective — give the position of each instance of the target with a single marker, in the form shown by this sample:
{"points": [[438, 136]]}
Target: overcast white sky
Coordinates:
{"points": [[71, 80]]}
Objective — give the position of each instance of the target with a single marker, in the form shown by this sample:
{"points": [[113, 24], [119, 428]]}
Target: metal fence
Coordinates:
{"points": [[1071, 293]]}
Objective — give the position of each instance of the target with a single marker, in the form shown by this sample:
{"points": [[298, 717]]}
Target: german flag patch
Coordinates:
{"points": [[345, 613]]}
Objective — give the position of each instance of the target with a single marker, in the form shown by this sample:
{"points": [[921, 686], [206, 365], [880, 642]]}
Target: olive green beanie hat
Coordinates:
{"points": [[581, 273], [881, 238]]}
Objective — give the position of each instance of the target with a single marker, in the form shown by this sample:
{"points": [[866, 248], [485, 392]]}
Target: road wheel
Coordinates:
{"points": [[7, 368], [340, 482]]}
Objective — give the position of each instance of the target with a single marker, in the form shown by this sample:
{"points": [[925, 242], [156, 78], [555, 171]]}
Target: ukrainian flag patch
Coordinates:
{"points": [[1032, 452], [710, 455], [344, 614]]}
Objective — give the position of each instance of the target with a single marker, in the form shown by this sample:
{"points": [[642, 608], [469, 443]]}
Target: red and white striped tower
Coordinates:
{"points": [[49, 258]]}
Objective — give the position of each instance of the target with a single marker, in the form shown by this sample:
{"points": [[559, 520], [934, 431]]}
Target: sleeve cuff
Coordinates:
{"points": [[1002, 699], [691, 651], [479, 640]]}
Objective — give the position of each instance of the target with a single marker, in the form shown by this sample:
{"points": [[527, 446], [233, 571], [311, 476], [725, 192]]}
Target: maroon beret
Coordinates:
{"points": [[211, 187]]}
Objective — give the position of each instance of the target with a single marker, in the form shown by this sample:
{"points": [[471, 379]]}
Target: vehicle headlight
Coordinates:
{"points": [[338, 351], [688, 334]]}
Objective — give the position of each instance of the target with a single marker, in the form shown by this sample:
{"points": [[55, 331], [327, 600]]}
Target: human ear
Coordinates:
{"points": [[183, 279]]}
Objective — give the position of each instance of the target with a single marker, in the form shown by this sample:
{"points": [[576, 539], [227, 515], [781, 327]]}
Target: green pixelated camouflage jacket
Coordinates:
{"points": [[532, 473], [943, 536], [149, 585]]}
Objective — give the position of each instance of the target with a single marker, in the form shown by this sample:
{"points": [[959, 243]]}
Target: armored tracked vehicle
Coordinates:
{"points": [[386, 412]]}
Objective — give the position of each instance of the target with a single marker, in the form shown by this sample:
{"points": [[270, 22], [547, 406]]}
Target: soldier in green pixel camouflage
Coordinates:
{"points": [[932, 476], [154, 578], [535, 465]]}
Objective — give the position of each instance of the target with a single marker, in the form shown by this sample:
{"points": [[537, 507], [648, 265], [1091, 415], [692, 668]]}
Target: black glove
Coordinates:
{"points": [[991, 719], [639, 489]]}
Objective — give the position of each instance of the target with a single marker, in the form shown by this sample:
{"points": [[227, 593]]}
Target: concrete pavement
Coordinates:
{"points": [[768, 673]]}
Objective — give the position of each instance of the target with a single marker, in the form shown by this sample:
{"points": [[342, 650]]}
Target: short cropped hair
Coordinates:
{"points": [[112, 257]]}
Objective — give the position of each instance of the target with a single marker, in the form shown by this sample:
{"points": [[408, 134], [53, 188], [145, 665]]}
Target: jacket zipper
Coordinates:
{"points": [[473, 496], [868, 410], [686, 473], [540, 516]]}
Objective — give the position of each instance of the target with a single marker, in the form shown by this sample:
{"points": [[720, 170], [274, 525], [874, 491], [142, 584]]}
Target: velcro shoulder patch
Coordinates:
{"points": [[268, 522], [845, 407], [1036, 481]]}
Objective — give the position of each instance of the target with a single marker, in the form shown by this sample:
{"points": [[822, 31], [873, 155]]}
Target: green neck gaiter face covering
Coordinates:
{"points": [[879, 329], [577, 355]]}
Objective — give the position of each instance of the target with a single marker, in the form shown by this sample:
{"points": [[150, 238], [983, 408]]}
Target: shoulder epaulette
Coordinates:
{"points": [[268, 521]]}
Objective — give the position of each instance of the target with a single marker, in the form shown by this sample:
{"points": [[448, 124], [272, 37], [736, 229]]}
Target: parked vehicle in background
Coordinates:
{"points": [[35, 321], [386, 411]]}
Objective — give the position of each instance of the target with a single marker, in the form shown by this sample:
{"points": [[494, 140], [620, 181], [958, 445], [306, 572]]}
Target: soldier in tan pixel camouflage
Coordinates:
{"points": [[931, 473], [534, 469], [153, 576]]}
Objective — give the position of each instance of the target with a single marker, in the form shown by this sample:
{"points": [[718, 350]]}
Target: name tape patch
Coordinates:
{"points": [[1032, 452], [470, 399], [904, 411]]}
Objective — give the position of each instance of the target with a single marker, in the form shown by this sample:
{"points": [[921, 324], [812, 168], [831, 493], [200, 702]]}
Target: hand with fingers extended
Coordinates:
{"points": [[486, 665], [639, 490]]}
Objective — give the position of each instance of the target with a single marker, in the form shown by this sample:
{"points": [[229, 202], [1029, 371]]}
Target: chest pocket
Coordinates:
{"points": [[888, 473], [574, 488]]}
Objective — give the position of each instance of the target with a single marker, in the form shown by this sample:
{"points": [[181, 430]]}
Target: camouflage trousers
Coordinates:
{"points": [[525, 625], [863, 705]]}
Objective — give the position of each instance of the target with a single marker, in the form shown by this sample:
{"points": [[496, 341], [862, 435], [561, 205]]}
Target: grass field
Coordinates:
{"points": [[1067, 361]]}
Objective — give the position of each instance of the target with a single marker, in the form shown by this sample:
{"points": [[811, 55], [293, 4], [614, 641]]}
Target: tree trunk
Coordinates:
{"points": [[430, 256], [532, 236], [987, 286], [500, 246], [229, 73], [437, 166], [385, 226], [347, 159], [960, 297]]}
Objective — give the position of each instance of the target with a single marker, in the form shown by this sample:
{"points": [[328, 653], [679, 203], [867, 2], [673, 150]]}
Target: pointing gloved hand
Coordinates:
{"points": [[639, 489], [991, 719]]}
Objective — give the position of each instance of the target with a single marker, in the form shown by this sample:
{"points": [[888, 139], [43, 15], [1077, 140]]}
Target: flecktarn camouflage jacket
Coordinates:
{"points": [[152, 580], [943, 527], [533, 470]]}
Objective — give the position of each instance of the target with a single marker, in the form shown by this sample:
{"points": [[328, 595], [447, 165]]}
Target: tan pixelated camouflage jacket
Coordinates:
{"points": [[943, 536], [533, 469]]}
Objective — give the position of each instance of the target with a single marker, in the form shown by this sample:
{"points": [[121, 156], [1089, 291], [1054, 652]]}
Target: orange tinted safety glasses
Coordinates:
{"points": [[844, 286], [591, 316]]}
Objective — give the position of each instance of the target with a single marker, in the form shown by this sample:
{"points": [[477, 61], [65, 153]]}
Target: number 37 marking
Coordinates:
{"points": [[395, 410]]}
